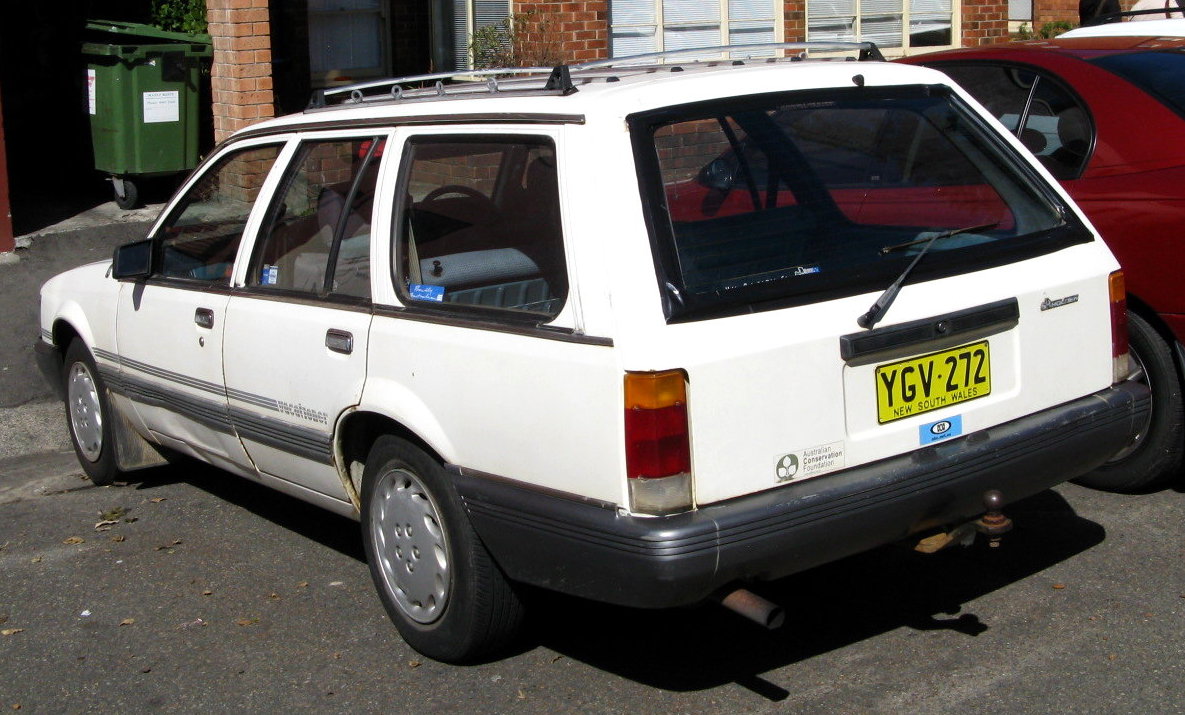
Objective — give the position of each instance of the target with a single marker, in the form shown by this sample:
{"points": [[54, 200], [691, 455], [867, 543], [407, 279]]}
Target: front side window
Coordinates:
{"points": [[794, 198], [199, 239], [479, 227], [642, 26], [903, 24], [316, 237], [1057, 129]]}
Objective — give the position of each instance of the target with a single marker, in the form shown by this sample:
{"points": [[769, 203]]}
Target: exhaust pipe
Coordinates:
{"points": [[757, 609]]}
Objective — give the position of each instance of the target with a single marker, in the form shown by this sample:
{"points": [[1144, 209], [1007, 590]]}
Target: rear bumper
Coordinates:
{"points": [[594, 551]]}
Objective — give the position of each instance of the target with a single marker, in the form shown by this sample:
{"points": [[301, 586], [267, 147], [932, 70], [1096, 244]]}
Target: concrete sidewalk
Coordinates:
{"points": [[89, 236]]}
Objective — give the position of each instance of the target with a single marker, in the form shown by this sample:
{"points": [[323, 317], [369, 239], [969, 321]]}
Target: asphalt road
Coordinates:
{"points": [[209, 593]]}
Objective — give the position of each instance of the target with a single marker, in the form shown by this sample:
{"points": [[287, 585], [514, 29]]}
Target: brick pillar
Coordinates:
{"points": [[794, 19], [241, 77], [578, 30], [984, 22], [7, 243]]}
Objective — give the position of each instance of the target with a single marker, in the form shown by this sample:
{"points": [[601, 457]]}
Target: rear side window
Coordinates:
{"points": [[1056, 127], [793, 198], [479, 226], [199, 240]]}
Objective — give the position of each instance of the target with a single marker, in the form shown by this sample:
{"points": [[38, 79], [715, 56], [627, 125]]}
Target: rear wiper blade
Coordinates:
{"points": [[878, 309]]}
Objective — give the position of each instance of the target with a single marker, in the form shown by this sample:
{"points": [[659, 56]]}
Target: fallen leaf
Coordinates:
{"points": [[178, 541], [337, 583], [146, 670], [11, 631], [3, 620], [74, 540], [104, 525], [114, 514], [305, 584], [127, 621], [156, 500], [131, 520], [521, 695], [35, 560], [193, 623], [337, 656], [207, 592], [1112, 656], [246, 621], [274, 596], [118, 537], [413, 664], [16, 706], [1058, 586]]}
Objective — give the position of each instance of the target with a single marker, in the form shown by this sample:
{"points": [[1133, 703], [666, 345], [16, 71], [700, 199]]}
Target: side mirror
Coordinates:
{"points": [[132, 260], [718, 174]]}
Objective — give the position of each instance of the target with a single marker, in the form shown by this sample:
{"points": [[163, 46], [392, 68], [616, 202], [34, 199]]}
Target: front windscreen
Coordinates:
{"points": [[801, 196]]}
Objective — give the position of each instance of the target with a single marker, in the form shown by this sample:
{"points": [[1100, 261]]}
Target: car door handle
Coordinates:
{"points": [[204, 317], [339, 341]]}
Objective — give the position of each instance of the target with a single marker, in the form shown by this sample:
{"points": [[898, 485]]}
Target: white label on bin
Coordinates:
{"points": [[162, 107], [90, 90]]}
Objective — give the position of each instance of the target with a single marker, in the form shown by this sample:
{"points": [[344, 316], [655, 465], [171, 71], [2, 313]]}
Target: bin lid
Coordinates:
{"points": [[146, 33]]}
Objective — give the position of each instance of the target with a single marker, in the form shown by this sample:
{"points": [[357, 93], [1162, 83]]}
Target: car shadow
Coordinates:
{"points": [[827, 608], [702, 647]]}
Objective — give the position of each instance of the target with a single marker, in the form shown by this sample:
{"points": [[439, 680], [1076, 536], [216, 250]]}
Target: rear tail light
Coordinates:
{"points": [[657, 441], [1120, 353]]}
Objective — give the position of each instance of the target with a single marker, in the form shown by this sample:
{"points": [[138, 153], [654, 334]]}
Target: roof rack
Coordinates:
{"points": [[1121, 16], [560, 79]]}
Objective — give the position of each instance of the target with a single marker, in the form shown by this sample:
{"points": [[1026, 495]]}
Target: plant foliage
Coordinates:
{"points": [[180, 15], [525, 39]]}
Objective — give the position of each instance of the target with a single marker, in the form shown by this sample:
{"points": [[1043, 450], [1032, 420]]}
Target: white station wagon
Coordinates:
{"points": [[607, 330]]}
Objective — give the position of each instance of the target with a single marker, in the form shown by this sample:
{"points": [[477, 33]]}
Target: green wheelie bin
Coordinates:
{"points": [[143, 94]]}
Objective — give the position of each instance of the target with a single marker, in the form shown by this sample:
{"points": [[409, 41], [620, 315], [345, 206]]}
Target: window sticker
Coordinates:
{"points": [[419, 291], [932, 432], [269, 275]]}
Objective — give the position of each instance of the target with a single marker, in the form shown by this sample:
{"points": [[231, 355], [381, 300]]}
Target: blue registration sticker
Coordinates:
{"points": [[269, 275], [419, 291], [942, 429]]}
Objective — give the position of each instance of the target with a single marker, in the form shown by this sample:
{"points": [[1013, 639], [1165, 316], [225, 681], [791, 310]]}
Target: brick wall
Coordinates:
{"points": [[581, 29], [241, 77], [985, 22]]}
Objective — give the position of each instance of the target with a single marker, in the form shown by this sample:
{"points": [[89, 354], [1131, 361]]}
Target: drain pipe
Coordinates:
{"points": [[757, 609]]}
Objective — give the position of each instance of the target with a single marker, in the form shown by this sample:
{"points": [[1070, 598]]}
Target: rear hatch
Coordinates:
{"points": [[778, 220]]}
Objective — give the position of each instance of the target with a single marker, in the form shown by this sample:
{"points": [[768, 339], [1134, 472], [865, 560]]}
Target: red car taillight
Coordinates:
{"points": [[1120, 362], [657, 441]]}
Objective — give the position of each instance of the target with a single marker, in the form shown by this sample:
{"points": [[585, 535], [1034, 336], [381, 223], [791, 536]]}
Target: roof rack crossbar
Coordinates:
{"points": [[868, 51]]}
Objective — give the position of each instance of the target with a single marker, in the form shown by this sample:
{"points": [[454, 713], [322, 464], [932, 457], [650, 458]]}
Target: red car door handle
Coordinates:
{"points": [[204, 317]]}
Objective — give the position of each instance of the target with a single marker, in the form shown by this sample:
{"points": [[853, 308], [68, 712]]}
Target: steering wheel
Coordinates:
{"points": [[455, 189]]}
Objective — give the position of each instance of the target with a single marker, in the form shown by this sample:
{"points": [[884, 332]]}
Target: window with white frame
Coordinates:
{"points": [[641, 26], [892, 24], [468, 15], [348, 40]]}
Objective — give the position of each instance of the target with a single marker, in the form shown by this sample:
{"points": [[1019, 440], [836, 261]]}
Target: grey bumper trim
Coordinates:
{"points": [[598, 553]]}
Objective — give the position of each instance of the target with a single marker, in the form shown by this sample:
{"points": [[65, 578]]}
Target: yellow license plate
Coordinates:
{"points": [[930, 382]]}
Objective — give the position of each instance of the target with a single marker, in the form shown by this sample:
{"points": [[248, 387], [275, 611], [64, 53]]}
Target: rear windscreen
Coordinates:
{"points": [[1161, 74], [796, 197]]}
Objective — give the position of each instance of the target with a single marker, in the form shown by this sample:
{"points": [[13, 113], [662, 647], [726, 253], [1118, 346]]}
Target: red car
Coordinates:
{"points": [[1106, 116]]}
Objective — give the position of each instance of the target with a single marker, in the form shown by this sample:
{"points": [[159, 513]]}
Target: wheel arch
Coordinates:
{"points": [[1152, 317], [356, 433]]}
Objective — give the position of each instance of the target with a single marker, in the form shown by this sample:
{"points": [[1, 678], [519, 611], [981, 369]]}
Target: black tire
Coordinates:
{"points": [[1155, 455], [467, 610], [130, 198], [89, 415]]}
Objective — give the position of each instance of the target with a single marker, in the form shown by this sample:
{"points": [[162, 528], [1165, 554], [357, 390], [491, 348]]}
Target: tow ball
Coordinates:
{"points": [[993, 524]]}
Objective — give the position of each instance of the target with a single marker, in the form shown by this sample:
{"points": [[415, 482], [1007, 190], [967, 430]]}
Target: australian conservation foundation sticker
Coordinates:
{"points": [[809, 462]]}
